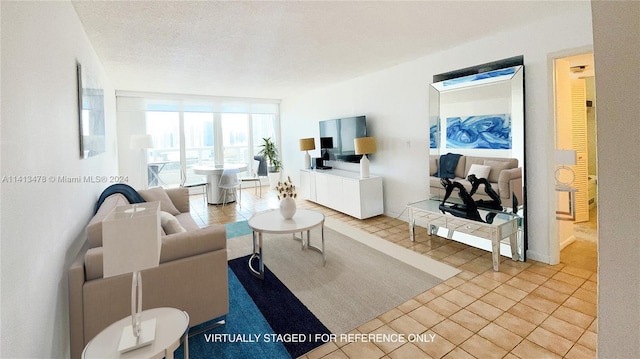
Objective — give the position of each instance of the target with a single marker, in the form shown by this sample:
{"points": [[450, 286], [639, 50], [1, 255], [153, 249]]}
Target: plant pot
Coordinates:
{"points": [[274, 178], [288, 207]]}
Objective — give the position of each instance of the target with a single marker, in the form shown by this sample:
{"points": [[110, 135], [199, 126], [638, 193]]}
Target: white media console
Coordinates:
{"points": [[343, 191]]}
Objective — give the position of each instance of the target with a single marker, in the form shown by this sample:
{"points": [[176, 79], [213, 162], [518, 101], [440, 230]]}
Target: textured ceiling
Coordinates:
{"points": [[278, 49]]}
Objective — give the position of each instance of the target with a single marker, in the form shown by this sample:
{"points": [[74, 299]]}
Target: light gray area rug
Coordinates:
{"points": [[357, 284]]}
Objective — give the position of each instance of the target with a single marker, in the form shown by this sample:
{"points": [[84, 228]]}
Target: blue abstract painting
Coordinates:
{"points": [[433, 136], [485, 131]]}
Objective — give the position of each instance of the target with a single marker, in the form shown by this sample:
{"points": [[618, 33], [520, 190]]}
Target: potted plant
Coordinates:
{"points": [[270, 152]]}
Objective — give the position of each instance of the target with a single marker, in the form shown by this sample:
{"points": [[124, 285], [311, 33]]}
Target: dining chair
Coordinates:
{"points": [[228, 184]]}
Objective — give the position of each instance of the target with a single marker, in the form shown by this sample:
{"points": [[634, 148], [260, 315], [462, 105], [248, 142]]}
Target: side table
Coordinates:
{"points": [[172, 328]]}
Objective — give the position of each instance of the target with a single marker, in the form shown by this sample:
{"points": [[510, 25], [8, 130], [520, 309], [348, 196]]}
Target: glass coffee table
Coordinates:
{"points": [[495, 226], [272, 222]]}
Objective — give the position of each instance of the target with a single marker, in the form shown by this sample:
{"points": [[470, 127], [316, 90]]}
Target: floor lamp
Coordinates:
{"points": [[307, 144], [142, 143], [364, 146], [131, 243]]}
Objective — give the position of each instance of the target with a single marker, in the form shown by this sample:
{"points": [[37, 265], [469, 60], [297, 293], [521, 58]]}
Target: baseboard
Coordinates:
{"points": [[564, 243]]}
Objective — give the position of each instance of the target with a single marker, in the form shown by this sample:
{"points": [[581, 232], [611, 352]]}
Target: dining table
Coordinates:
{"points": [[213, 173]]}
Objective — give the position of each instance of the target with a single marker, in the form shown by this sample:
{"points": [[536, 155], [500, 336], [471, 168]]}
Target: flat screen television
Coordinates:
{"points": [[342, 132]]}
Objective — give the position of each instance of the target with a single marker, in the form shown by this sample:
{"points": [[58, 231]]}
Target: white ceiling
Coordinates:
{"points": [[278, 49]]}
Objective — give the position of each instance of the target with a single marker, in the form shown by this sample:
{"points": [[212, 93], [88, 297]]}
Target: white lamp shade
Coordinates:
{"points": [[141, 142], [365, 145], [566, 157], [131, 239]]}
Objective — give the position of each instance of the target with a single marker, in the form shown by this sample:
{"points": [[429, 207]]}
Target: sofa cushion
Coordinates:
{"points": [[497, 167], [94, 228], [158, 194], [170, 223], [180, 198], [480, 171]]}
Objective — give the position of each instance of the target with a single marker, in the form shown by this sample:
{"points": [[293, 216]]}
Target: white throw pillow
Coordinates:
{"points": [[480, 171], [170, 224]]}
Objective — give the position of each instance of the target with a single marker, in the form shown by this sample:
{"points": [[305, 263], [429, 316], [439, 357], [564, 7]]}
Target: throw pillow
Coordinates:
{"points": [[496, 168], [170, 223], [158, 194], [480, 171]]}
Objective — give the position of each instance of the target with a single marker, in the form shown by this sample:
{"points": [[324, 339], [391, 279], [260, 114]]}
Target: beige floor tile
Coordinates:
{"points": [[564, 329], [484, 310], [457, 297], [594, 326], [550, 294], [443, 306], [573, 316], [586, 295], [522, 284], [485, 282], [539, 303], [425, 297], [542, 270], [454, 261], [409, 305], [498, 301], [452, 331], [580, 352], [511, 292], [390, 315], [469, 320], [514, 324], [440, 289], [527, 313], [527, 349], [454, 281], [322, 350], [458, 353], [589, 285], [426, 316], [589, 340], [582, 306], [407, 325], [337, 354], [497, 276], [394, 342], [568, 278], [407, 351], [500, 336], [473, 266], [370, 326], [362, 350], [482, 348], [532, 277], [550, 341], [560, 286], [472, 290], [578, 272], [436, 349]]}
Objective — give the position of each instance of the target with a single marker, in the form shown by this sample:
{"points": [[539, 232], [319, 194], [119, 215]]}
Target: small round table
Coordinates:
{"points": [[172, 327], [272, 222], [213, 173]]}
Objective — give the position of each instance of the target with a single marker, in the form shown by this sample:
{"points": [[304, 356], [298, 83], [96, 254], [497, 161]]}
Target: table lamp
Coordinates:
{"points": [[131, 243], [307, 144], [142, 143], [565, 158], [364, 146]]}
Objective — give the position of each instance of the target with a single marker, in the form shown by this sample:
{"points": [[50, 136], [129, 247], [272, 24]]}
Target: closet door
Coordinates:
{"points": [[580, 143]]}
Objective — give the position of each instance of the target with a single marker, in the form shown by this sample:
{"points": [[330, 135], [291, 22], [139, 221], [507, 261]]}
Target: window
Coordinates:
{"points": [[187, 134]]}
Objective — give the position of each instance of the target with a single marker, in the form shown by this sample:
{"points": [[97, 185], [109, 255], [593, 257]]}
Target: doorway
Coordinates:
{"points": [[576, 170]]}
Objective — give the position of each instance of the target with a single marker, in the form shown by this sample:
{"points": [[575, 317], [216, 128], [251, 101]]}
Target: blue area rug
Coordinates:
{"points": [[265, 319]]}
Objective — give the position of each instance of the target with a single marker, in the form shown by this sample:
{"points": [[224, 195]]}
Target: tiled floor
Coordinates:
{"points": [[526, 310]]}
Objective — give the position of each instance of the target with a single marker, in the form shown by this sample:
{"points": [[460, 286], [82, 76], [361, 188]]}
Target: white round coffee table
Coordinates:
{"points": [[172, 328], [272, 222]]}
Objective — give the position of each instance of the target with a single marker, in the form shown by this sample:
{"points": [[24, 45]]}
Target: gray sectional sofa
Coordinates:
{"points": [[192, 275], [505, 177]]}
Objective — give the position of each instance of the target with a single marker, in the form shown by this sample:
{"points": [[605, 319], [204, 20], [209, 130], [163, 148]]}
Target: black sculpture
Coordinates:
{"points": [[495, 202], [466, 210]]}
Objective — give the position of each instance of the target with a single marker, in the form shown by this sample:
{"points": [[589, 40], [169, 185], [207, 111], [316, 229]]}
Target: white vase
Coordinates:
{"points": [[287, 207]]}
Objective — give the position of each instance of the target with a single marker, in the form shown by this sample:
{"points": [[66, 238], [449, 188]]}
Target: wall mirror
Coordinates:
{"points": [[476, 126], [90, 115]]}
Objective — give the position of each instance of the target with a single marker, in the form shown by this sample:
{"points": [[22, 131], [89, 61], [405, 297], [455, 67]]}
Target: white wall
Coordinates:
{"points": [[616, 34], [395, 101], [42, 224]]}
